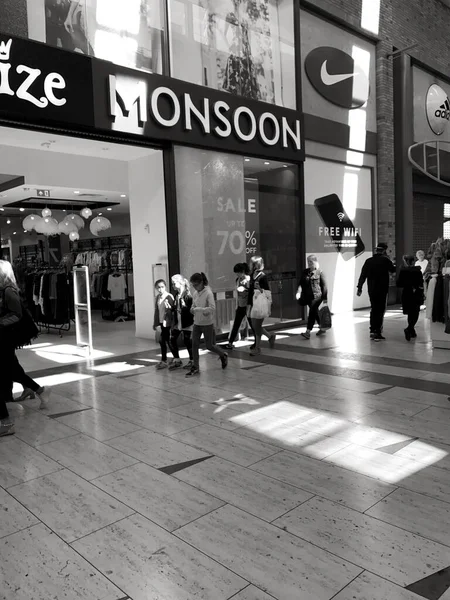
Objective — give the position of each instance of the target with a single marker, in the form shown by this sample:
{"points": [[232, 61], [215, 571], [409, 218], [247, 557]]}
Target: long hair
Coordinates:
{"points": [[7, 277], [256, 263], [182, 281], [199, 278]]}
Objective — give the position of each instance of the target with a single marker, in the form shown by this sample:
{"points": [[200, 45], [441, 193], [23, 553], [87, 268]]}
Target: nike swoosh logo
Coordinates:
{"points": [[328, 79]]}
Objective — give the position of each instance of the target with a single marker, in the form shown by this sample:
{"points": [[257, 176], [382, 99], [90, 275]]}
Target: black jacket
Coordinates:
{"points": [[376, 271], [183, 303], [307, 287], [411, 280]]}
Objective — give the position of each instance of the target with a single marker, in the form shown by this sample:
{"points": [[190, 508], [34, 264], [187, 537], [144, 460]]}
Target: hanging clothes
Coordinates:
{"points": [[430, 296], [438, 301], [117, 287]]}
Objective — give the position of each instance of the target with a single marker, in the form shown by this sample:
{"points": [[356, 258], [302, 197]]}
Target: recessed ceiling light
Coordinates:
{"points": [[8, 222], [76, 192], [247, 160], [109, 209], [64, 210], [123, 195], [285, 166], [100, 214], [267, 163], [21, 209], [2, 209], [14, 232]]}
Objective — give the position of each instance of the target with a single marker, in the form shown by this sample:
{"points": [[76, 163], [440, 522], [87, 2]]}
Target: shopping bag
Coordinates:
{"points": [[262, 301], [325, 317]]}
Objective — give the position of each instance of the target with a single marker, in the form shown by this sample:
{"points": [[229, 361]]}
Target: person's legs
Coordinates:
{"points": [[241, 311], [257, 328], [313, 313], [7, 353], [196, 337], [378, 308], [210, 338], [174, 335], [187, 336], [19, 375], [413, 317]]}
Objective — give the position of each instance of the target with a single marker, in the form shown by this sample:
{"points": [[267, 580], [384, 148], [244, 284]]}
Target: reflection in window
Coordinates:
{"points": [[239, 46], [127, 32]]}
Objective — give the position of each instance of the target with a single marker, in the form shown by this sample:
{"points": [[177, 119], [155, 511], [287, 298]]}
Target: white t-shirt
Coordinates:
{"points": [[423, 264], [117, 287]]}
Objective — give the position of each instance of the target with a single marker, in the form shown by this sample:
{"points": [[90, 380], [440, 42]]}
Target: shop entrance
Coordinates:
{"points": [[68, 201]]}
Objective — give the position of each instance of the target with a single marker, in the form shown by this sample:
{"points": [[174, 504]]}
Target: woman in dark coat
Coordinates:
{"points": [[312, 291], [411, 280]]}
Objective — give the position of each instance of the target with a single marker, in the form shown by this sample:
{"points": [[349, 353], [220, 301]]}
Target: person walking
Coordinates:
{"points": [[312, 292], [258, 281], [163, 319], [183, 321], [410, 279], [203, 309], [376, 272], [242, 285], [10, 315]]}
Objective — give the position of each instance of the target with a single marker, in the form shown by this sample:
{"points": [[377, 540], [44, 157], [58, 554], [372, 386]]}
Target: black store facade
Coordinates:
{"points": [[211, 178]]}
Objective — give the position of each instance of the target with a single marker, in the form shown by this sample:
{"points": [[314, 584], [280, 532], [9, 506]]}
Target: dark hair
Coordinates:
{"points": [[241, 268], [199, 278], [160, 281], [409, 260], [257, 263]]}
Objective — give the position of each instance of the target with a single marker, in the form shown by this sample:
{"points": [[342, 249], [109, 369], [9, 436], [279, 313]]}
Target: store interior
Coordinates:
{"points": [[65, 201]]}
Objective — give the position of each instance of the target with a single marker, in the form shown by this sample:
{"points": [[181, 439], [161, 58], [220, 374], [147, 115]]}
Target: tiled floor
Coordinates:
{"points": [[317, 471]]}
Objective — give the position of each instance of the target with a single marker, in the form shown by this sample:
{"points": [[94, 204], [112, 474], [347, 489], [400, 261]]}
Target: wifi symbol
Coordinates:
{"points": [[341, 216]]}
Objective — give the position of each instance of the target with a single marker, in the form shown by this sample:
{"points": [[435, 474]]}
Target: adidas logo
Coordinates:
{"points": [[443, 112]]}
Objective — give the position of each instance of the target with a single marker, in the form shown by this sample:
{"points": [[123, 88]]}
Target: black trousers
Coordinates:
{"points": [[314, 312], [21, 377], [378, 302], [165, 342], [7, 356], [413, 317], [187, 339], [241, 312]]}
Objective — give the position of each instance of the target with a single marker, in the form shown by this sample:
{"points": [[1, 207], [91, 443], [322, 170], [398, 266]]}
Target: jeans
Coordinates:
{"points": [[165, 342], [21, 377], [187, 338], [378, 302], [7, 356], [314, 312], [241, 313], [208, 332]]}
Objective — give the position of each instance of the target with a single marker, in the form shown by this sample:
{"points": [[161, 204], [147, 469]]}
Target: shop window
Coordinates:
{"points": [[239, 46], [231, 208], [128, 32]]}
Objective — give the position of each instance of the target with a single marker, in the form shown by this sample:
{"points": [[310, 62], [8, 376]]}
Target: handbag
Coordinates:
{"points": [[262, 301], [325, 317], [25, 331]]}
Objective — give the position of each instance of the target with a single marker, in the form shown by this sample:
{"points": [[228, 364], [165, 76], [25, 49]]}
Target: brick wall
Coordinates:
{"points": [[402, 23]]}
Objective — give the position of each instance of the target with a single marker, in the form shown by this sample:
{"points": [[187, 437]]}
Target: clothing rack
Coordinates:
{"points": [[50, 300], [109, 307]]}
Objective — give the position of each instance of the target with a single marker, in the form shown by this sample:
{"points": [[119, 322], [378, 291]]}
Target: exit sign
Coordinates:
{"points": [[43, 193]]}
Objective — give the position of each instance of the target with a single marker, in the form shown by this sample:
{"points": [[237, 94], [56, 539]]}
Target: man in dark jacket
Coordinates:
{"points": [[376, 271]]}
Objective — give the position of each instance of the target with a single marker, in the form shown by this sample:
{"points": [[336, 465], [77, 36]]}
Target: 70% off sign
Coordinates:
{"points": [[237, 242]]}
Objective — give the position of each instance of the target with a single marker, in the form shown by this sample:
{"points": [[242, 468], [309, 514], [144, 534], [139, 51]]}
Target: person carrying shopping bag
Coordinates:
{"points": [[312, 292], [259, 302]]}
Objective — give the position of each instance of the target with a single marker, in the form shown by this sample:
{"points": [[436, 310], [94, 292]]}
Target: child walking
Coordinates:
{"points": [[203, 309], [163, 320], [183, 321]]}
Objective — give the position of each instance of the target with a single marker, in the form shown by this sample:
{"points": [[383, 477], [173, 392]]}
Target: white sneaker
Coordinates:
{"points": [[175, 364], [44, 396], [161, 365], [7, 428]]}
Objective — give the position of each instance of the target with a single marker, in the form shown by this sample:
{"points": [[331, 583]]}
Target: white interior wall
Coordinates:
{"points": [[148, 234]]}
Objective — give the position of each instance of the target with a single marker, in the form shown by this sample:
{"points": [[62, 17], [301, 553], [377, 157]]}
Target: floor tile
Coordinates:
{"points": [[414, 394], [161, 498], [99, 425], [52, 569], [159, 420], [35, 428], [149, 563], [13, 516], [332, 482], [155, 379], [252, 593], [154, 449], [427, 453], [274, 561], [435, 413], [86, 457], [236, 448], [19, 462], [209, 413], [259, 495], [390, 552], [371, 587], [429, 481], [56, 404], [158, 398], [413, 427], [68, 504], [417, 513]]}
